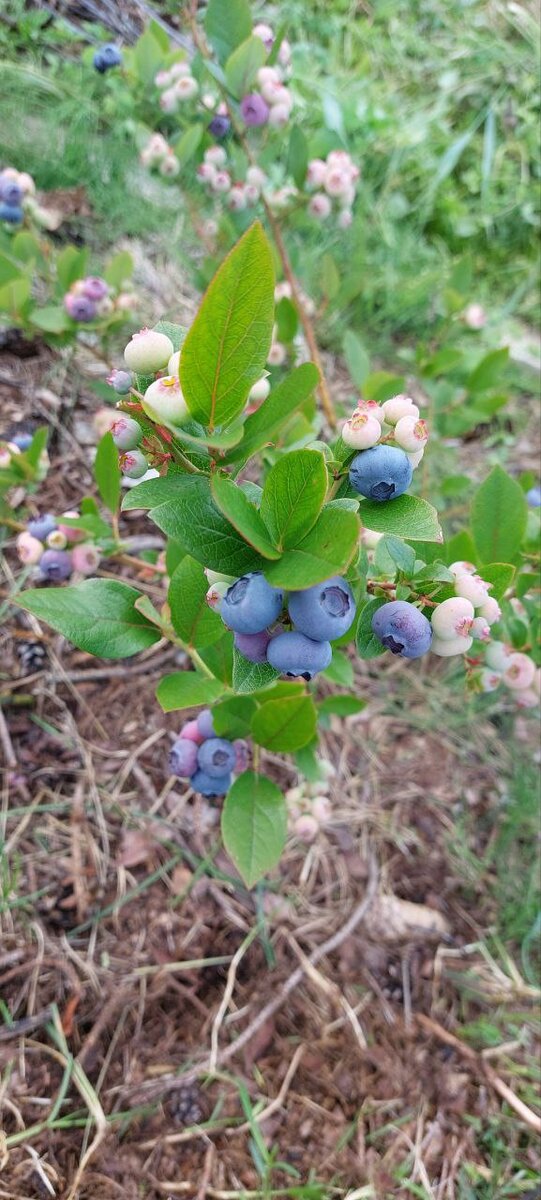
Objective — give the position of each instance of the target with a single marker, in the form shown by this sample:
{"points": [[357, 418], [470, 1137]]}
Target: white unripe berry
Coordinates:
{"points": [[398, 407], [490, 610], [472, 588], [416, 457], [215, 155], [497, 656], [448, 647], [462, 568], [164, 401], [362, 431], [453, 619], [174, 364], [489, 680], [411, 434], [519, 673], [480, 629], [148, 351], [526, 699], [320, 206], [259, 390]]}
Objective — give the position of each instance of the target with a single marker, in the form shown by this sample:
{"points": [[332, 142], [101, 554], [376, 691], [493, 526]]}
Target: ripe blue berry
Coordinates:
{"points": [[80, 308], [382, 473], [253, 646], [250, 604], [296, 654], [120, 381], [220, 126], [208, 785], [106, 57], [41, 527], [534, 497], [55, 565], [11, 213], [205, 724], [22, 440], [402, 629], [325, 611], [183, 758], [254, 110], [216, 757], [126, 433], [10, 192]]}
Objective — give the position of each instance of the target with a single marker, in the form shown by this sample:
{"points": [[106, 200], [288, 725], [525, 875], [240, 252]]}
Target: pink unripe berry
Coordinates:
{"points": [[472, 588], [164, 401], [254, 110], [371, 408], [475, 316], [344, 218], [170, 166], [192, 732], [370, 538], [169, 100], [448, 647], [453, 618], [398, 407], [179, 70], [279, 115], [411, 434], [321, 809], [480, 629], [186, 88], [162, 79], [306, 828], [519, 673], [221, 181], [462, 568], [316, 172], [498, 656], [320, 206], [216, 594], [251, 194], [71, 534], [148, 351], [527, 699], [85, 558], [29, 549], [336, 181], [236, 199], [256, 177], [362, 431], [206, 173], [216, 156], [490, 610], [489, 680], [266, 35]]}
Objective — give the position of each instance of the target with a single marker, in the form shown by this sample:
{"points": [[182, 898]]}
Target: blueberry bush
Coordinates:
{"points": [[273, 583]]}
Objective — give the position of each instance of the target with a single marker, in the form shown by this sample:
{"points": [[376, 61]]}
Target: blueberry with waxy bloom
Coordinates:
{"points": [[325, 611], [183, 758], [402, 629], [296, 655], [210, 785], [251, 604], [216, 757], [55, 565], [254, 110], [381, 473]]}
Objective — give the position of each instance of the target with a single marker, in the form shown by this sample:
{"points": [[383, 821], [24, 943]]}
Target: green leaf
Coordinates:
{"points": [[340, 670], [297, 156], [498, 518], [262, 427], [92, 523], [407, 517], [227, 24], [52, 319], [402, 556], [340, 706], [293, 496], [489, 371], [147, 57], [70, 265], [356, 357], [194, 521], [327, 550], [154, 492], [187, 145], [287, 320], [176, 333], [191, 616], [98, 616], [119, 269], [107, 472], [330, 277], [369, 646], [37, 446], [254, 825], [226, 348], [219, 658], [285, 725], [242, 514], [187, 689], [242, 66], [500, 576], [233, 717], [8, 269], [249, 676], [381, 385]]}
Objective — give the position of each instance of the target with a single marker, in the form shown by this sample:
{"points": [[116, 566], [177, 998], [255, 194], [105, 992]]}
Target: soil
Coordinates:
{"points": [[363, 1073]]}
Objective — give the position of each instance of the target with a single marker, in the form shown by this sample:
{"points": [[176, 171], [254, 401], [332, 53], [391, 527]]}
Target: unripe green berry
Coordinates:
{"points": [[148, 351]]}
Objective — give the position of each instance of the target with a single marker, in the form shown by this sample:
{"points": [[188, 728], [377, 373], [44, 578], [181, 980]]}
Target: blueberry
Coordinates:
{"points": [[402, 629], [106, 57], [127, 433], [296, 654], [220, 126], [216, 757], [11, 213], [381, 473], [40, 527], [205, 724], [80, 308], [254, 110], [10, 192], [253, 646], [133, 464], [22, 440], [533, 497], [183, 758], [55, 565], [120, 381], [325, 611], [210, 786], [250, 604]]}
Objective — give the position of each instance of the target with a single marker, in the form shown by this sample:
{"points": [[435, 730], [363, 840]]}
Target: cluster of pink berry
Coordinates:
{"points": [[177, 85], [89, 299], [333, 181], [515, 671], [239, 194], [467, 615], [160, 155], [272, 104], [396, 421], [56, 549], [308, 805]]}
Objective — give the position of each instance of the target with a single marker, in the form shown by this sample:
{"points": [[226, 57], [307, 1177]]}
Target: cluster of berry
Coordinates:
{"points": [[515, 671], [404, 630], [107, 57], [333, 181], [383, 471], [87, 299], [159, 154], [16, 187], [208, 761], [271, 105], [240, 194], [57, 550], [176, 85], [148, 352], [250, 606], [308, 805]]}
